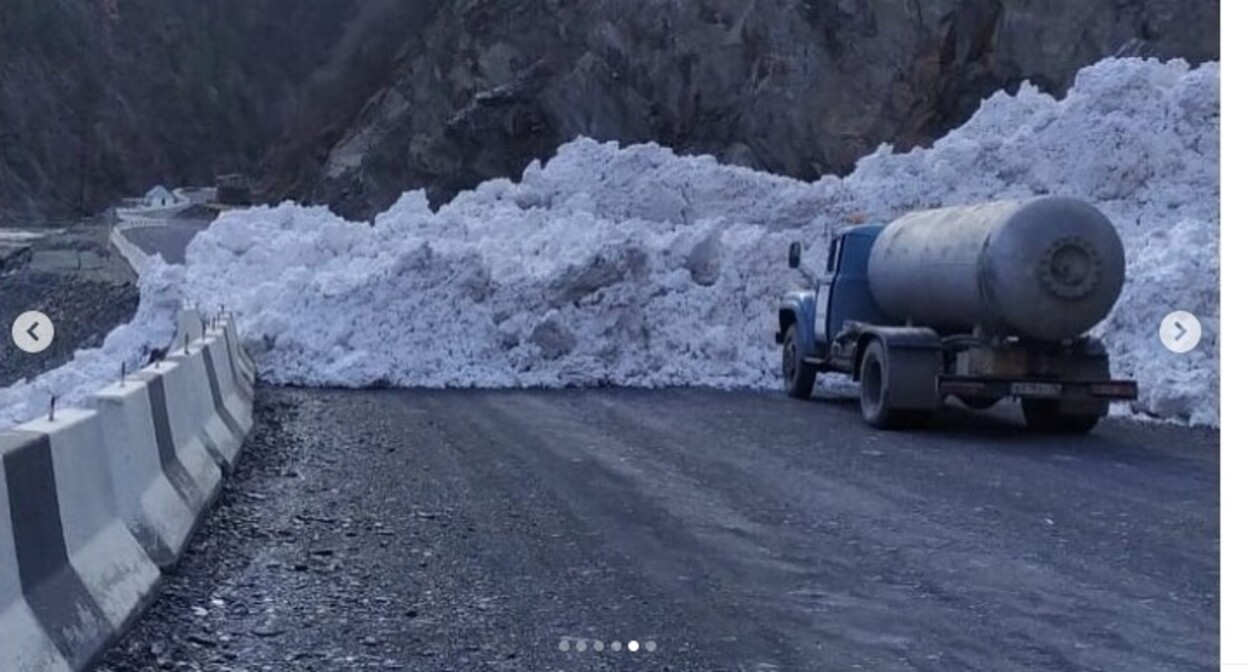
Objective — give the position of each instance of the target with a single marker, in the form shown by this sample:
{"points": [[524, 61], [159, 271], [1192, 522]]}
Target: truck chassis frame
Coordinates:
{"points": [[1063, 387]]}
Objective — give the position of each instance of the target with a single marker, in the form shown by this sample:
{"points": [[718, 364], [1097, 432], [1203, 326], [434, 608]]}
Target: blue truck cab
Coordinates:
{"points": [[840, 295]]}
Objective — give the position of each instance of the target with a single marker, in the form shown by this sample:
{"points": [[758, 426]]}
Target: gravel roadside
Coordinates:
{"points": [[76, 279]]}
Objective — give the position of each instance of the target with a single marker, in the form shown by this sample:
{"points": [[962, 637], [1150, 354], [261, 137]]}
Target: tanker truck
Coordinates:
{"points": [[979, 303]]}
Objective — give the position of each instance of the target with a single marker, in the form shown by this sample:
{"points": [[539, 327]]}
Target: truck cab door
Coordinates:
{"points": [[823, 294]]}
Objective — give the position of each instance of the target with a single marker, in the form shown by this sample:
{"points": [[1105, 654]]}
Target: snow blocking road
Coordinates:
{"points": [[94, 503]]}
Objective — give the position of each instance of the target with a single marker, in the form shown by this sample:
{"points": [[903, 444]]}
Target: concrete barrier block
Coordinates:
{"points": [[232, 398], [236, 346], [190, 402], [224, 435], [157, 498], [232, 365], [190, 327], [244, 377], [24, 645], [181, 393], [110, 562]]}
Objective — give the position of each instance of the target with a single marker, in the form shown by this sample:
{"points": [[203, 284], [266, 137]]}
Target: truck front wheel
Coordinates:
{"points": [[799, 377], [1044, 415], [877, 409]]}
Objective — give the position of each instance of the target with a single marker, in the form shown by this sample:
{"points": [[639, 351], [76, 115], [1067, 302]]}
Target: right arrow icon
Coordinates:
{"points": [[1180, 332]]}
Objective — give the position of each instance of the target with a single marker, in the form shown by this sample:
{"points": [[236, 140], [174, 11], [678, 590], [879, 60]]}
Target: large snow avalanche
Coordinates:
{"points": [[639, 267]]}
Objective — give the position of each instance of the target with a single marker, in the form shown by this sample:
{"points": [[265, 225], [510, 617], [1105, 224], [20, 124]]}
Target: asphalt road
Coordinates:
{"points": [[737, 531], [169, 240]]}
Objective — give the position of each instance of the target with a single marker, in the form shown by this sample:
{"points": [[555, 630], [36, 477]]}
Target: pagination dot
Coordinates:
{"points": [[634, 646]]}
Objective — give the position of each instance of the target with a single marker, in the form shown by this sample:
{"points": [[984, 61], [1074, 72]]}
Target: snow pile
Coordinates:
{"points": [[72, 384], [639, 267]]}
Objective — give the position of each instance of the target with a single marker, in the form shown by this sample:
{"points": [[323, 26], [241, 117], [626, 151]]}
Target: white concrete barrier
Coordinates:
{"points": [[190, 327], [190, 410], [248, 367], [92, 502], [83, 575], [159, 500], [112, 564], [25, 644], [232, 395], [132, 253], [137, 258], [203, 401]]}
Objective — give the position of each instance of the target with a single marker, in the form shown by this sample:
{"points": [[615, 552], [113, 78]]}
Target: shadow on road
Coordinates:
{"points": [[1003, 429]]}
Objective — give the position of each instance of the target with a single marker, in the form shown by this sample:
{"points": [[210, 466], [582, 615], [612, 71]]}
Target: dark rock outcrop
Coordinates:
{"points": [[800, 87]]}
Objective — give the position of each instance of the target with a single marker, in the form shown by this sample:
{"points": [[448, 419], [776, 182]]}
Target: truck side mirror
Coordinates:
{"points": [[795, 255]]}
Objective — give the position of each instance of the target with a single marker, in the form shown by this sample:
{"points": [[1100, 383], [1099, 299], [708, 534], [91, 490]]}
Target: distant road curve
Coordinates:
{"points": [[169, 239]]}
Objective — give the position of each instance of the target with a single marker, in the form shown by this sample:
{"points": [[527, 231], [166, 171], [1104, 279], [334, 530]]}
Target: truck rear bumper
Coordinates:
{"points": [[1108, 390]]}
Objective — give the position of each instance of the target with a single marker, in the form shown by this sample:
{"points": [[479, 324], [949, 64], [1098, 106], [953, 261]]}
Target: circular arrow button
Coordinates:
{"points": [[1179, 331], [33, 332]]}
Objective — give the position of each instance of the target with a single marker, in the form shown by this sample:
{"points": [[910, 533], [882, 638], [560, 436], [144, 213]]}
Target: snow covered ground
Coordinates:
{"points": [[639, 267]]}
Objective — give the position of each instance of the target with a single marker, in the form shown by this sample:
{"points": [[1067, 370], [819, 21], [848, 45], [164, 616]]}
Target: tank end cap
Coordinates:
{"points": [[1070, 268]]}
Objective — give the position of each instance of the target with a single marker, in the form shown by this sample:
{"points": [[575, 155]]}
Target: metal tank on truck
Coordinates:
{"points": [[978, 302], [1047, 269]]}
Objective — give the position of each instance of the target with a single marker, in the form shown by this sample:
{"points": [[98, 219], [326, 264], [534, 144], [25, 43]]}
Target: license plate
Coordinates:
{"points": [[1036, 389]]}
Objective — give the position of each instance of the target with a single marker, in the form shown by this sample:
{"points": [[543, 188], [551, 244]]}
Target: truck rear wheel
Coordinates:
{"points": [[873, 394], [799, 377], [1044, 415]]}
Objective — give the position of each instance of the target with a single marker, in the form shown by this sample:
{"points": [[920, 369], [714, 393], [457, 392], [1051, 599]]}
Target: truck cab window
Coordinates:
{"points": [[834, 255]]}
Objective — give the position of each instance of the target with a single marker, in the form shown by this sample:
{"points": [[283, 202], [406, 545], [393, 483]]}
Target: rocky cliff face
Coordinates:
{"points": [[800, 87], [103, 98], [352, 102]]}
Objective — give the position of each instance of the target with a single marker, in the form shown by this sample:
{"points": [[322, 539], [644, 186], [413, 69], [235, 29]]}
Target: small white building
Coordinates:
{"points": [[159, 197]]}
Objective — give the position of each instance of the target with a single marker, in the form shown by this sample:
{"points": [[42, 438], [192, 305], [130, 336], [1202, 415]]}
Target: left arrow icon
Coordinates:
{"points": [[33, 332]]}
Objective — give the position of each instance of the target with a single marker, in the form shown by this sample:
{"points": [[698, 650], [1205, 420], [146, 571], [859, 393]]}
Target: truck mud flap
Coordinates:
{"points": [[912, 378]]}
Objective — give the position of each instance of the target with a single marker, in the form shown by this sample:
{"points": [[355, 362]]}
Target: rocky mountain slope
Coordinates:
{"points": [[103, 98], [799, 87], [351, 102]]}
